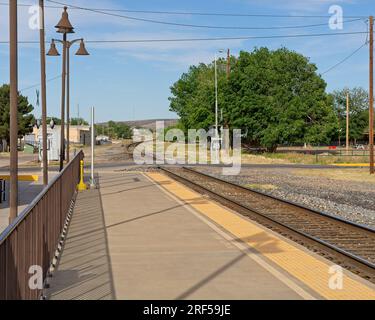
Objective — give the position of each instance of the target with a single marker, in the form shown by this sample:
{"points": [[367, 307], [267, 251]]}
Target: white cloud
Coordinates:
{"points": [[300, 6]]}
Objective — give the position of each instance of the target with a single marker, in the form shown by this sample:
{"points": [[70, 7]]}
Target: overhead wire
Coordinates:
{"points": [[193, 25], [37, 85], [344, 60], [208, 38], [191, 13]]}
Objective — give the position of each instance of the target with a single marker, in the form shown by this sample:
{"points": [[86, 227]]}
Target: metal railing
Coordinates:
{"points": [[345, 154], [31, 240]]}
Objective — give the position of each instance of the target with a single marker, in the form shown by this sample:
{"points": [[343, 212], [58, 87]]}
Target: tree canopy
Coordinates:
{"points": [[78, 122], [275, 97], [25, 119], [115, 130]]}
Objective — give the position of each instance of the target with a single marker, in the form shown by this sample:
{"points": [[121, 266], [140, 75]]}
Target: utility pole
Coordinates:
{"points": [[371, 92], [339, 126], [13, 37], [44, 94], [216, 100], [347, 122], [228, 63]]}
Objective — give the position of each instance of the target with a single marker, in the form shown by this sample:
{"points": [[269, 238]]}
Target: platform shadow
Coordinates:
{"points": [[210, 277], [84, 271], [260, 243]]}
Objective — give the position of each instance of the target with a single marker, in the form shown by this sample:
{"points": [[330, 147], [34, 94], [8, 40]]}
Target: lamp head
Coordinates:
{"points": [[53, 51], [64, 25], [82, 49]]}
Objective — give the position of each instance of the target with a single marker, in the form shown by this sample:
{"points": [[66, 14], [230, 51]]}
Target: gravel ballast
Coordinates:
{"points": [[351, 200]]}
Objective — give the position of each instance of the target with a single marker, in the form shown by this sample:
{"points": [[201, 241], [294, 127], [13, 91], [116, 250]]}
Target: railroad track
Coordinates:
{"points": [[343, 242], [130, 147]]}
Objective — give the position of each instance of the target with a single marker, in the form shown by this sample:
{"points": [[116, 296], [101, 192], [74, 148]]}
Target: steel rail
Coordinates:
{"points": [[284, 201]]}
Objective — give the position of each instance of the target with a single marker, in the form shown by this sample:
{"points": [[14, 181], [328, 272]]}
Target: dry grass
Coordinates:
{"points": [[262, 159], [359, 175], [262, 187], [298, 158]]}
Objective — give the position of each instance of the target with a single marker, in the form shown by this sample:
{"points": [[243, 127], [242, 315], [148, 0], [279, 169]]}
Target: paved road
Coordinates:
{"points": [[22, 159]]}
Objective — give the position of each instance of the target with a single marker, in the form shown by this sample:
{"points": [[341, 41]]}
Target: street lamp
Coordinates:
{"points": [[64, 26]]}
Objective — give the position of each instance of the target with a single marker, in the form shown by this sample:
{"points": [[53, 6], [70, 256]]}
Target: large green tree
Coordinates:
{"points": [[358, 112], [275, 97], [25, 119], [193, 96], [278, 97]]}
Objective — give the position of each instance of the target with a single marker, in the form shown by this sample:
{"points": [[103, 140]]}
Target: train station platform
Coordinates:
{"points": [[30, 185], [145, 236]]}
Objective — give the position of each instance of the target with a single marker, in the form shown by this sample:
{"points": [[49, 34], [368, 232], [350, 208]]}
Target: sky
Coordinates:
{"points": [[131, 81]]}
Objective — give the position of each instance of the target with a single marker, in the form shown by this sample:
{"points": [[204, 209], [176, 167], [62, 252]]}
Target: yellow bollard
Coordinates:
{"points": [[81, 186]]}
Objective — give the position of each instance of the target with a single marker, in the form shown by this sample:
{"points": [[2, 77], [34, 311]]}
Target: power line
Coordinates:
{"points": [[211, 39], [227, 38], [154, 40], [37, 85], [192, 13], [345, 59], [192, 25]]}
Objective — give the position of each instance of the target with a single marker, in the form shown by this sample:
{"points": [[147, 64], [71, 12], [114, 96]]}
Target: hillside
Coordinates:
{"points": [[147, 124]]}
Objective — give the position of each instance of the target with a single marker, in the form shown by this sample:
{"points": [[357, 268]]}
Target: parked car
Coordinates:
{"points": [[359, 147]]}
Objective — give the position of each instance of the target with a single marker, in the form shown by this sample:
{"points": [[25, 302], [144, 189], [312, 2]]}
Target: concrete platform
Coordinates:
{"points": [[148, 237], [326, 279], [132, 241]]}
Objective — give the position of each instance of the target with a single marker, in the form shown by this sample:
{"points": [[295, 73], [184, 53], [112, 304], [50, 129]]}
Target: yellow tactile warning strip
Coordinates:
{"points": [[310, 270], [27, 177], [351, 164]]}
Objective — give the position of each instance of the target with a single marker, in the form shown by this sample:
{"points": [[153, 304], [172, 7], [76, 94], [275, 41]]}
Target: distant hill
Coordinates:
{"points": [[147, 124]]}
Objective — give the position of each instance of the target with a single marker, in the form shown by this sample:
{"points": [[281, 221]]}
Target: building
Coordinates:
{"points": [[53, 144], [77, 134]]}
